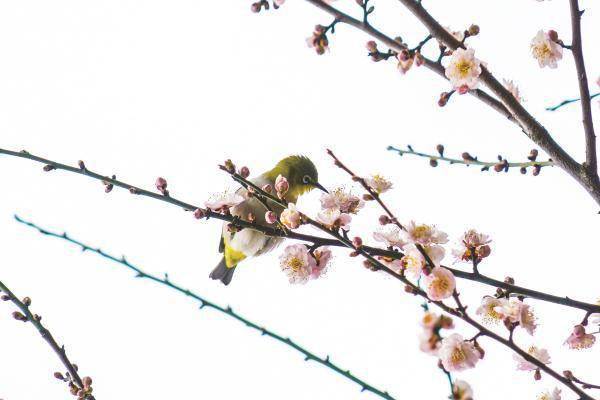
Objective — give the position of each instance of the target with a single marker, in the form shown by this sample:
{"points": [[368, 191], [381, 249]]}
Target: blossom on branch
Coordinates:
{"points": [[424, 234], [344, 201], [545, 49], [318, 40], [513, 89], [439, 284], [491, 309], [281, 186], [334, 218], [472, 245], [550, 395], [390, 235], [378, 183], [300, 265], [456, 354], [463, 70], [222, 202], [517, 312], [539, 354], [579, 339], [414, 262], [291, 217], [461, 390]]}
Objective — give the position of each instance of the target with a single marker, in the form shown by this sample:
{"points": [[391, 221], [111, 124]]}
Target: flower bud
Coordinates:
{"points": [[161, 185], [357, 241], [523, 170], [440, 149], [537, 375], [87, 382], [251, 217], [536, 169], [49, 167], [467, 157], [267, 188], [270, 217], [384, 220], [367, 197], [60, 376], [568, 374], [27, 301], [371, 46], [463, 89], [433, 162], [244, 172], [19, 316], [255, 7], [473, 30], [229, 166], [281, 185], [81, 164], [553, 35]]}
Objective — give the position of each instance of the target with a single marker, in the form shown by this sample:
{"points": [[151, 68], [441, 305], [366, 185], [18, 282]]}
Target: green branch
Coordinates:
{"points": [[308, 356], [565, 102]]}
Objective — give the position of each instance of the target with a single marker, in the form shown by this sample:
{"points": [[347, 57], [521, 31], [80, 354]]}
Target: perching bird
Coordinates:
{"points": [[302, 177]]}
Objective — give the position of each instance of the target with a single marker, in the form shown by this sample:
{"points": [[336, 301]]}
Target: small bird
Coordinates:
{"points": [[302, 177]]}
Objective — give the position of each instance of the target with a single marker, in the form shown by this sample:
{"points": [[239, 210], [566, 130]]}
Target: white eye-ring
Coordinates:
{"points": [[306, 179]]}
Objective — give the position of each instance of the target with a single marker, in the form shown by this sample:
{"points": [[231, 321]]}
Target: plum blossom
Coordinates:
{"points": [[461, 390], [390, 235], [222, 202], [281, 186], [424, 235], [318, 40], [540, 354], [270, 217], [378, 183], [291, 217], [513, 89], [414, 262], [297, 263], [545, 50], [432, 320], [491, 309], [322, 258], [430, 342], [439, 284], [463, 70], [333, 217], [518, 312], [550, 395], [344, 201], [458, 35], [472, 244], [579, 339], [456, 354]]}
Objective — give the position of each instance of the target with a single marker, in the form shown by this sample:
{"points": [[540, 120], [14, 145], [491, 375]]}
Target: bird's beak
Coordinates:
{"points": [[321, 187]]}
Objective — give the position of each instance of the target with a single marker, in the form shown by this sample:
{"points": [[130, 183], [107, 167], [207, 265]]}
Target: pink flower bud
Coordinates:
{"points": [[463, 89], [357, 241], [371, 46], [281, 185], [244, 172], [161, 185], [553, 35], [384, 220], [270, 217], [267, 188]]}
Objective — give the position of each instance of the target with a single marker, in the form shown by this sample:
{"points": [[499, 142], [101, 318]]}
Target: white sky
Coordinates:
{"points": [[149, 88]]}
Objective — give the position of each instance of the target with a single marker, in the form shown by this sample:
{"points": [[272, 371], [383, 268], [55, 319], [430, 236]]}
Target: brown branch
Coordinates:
{"points": [[338, 238], [584, 91], [316, 240], [79, 387], [532, 128], [397, 46]]}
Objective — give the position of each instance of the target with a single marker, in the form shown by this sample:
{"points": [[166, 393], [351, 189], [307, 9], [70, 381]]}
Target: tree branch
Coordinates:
{"points": [[584, 91], [204, 302], [316, 240], [532, 128], [79, 387], [569, 101]]}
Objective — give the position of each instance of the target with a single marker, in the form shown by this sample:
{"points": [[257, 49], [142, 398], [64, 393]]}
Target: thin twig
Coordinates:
{"points": [[80, 389], [569, 101], [486, 164], [204, 302]]}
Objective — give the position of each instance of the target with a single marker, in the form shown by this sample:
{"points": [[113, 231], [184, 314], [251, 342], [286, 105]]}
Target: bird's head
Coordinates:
{"points": [[300, 172]]}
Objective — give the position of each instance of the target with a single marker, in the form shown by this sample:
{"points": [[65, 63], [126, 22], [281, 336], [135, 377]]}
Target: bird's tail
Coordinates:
{"points": [[222, 272]]}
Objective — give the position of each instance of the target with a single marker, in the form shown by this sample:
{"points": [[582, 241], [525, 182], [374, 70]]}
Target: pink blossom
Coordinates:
{"points": [[461, 390], [390, 235], [224, 201], [540, 354], [545, 50], [579, 339], [550, 395], [414, 262], [513, 89], [281, 185], [161, 185], [518, 312], [199, 213], [472, 244], [344, 201], [432, 320], [322, 258], [424, 234], [457, 354], [491, 309], [378, 183], [297, 263], [333, 218], [290, 217], [439, 284], [429, 342], [464, 69], [318, 40]]}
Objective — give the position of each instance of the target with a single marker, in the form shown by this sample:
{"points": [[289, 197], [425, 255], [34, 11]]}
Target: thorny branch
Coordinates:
{"points": [[204, 302]]}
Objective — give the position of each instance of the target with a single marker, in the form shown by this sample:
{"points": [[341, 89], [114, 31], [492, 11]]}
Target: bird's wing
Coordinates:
{"points": [[221, 244]]}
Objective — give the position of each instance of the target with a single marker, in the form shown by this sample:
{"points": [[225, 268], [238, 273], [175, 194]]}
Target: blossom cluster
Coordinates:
{"points": [[300, 264]]}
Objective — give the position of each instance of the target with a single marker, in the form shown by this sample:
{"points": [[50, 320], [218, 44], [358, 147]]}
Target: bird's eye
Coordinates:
{"points": [[306, 179]]}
